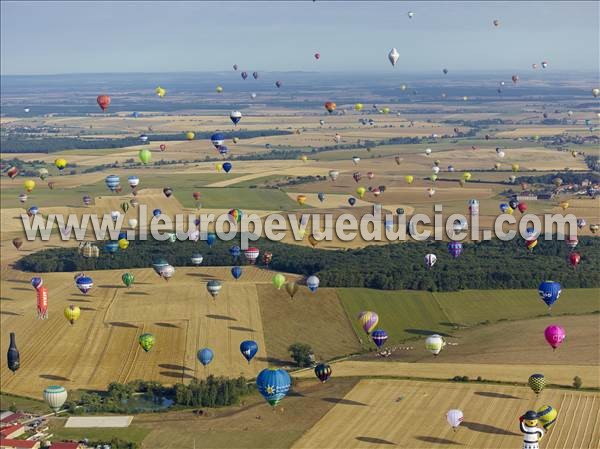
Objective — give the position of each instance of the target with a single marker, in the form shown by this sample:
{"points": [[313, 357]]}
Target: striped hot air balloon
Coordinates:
{"points": [[251, 254], [368, 321]]}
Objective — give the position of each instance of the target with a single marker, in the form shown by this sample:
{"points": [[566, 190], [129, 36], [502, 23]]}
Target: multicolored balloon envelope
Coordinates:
{"points": [[323, 372]]}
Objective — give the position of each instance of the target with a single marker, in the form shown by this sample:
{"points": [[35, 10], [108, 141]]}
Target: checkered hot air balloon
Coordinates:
{"points": [[537, 382]]}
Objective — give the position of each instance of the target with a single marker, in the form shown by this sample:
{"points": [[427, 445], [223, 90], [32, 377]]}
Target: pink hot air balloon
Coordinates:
{"points": [[554, 335]]}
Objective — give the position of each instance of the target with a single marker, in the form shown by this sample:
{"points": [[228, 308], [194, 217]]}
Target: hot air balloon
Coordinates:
{"points": [[291, 288], [357, 176], [13, 358], [393, 56], [574, 259], [537, 382], [596, 92], [236, 272], [333, 174], [33, 211], [531, 243], [213, 287], [278, 280], [160, 92], [167, 272], [251, 254], [103, 101], [379, 337], [312, 283], [12, 172], [255, 75], [321, 196], [72, 313], [235, 117], [430, 260], [147, 341], [323, 372], [37, 282], [123, 244], [564, 205], [515, 78], [454, 418], [368, 321], [572, 242], [554, 335], [273, 384], [211, 238], [317, 55], [496, 23], [248, 348], [205, 356], [17, 242], [360, 191], [594, 228], [227, 167], [278, 84], [434, 344], [84, 284], [549, 292], [358, 107], [60, 164], [112, 181], [355, 159], [455, 249], [168, 191], [244, 75], [145, 156], [430, 191], [162, 147], [219, 89], [409, 179], [55, 396], [411, 14], [351, 201], [114, 215], [301, 199], [330, 106], [29, 185], [445, 71]]}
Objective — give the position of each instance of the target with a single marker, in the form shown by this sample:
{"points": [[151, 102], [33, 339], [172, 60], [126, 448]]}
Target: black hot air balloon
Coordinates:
{"points": [[12, 356]]}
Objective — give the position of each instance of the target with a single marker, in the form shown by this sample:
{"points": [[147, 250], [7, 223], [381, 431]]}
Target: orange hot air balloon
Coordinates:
{"points": [[301, 199], [103, 101], [330, 106]]}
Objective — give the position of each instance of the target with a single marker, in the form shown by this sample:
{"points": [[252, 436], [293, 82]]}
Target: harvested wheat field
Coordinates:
{"points": [[102, 346], [410, 415]]}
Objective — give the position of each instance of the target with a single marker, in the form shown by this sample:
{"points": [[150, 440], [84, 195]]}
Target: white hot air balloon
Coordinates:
{"points": [[132, 222], [393, 56], [435, 169], [428, 151], [114, 215], [411, 14], [55, 396], [454, 418], [430, 260], [434, 344], [333, 174], [356, 160]]}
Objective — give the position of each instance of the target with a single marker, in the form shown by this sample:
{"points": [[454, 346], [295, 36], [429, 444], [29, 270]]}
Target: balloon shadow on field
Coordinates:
{"points": [[167, 325], [202, 276], [174, 367], [53, 377], [453, 325], [436, 440], [6, 312], [120, 324], [4, 298], [87, 308], [137, 293], [79, 300], [109, 286], [18, 281], [374, 440], [240, 328], [21, 289], [176, 375], [491, 394], [345, 402], [486, 428], [427, 332], [221, 317], [273, 361]]}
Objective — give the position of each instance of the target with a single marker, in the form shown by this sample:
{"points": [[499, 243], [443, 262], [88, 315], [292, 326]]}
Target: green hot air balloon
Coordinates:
{"points": [[125, 207], [278, 280], [147, 341], [291, 288], [128, 279], [537, 382], [145, 156]]}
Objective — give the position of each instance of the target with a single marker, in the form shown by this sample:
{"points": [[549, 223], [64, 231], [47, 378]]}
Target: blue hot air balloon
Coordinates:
{"points": [[217, 139], [379, 337], [223, 150], [111, 247], [351, 201], [156, 212], [455, 249], [321, 196], [36, 282], [122, 235], [211, 238], [248, 348], [549, 292], [235, 251], [135, 114], [112, 182], [236, 272], [84, 284], [227, 167], [205, 356], [273, 384], [33, 211]]}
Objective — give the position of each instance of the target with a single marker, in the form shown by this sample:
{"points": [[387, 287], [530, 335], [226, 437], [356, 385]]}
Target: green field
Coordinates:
{"points": [[20, 403], [243, 198], [413, 314], [133, 433]]}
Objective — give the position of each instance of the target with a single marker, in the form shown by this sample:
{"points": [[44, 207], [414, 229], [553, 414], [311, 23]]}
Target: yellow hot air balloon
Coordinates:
{"points": [[29, 185], [515, 167], [433, 177], [160, 91], [236, 139], [123, 244], [190, 135], [60, 164], [72, 313], [466, 176], [385, 110], [358, 107], [219, 167], [312, 240], [409, 179], [361, 192], [301, 199], [564, 205], [219, 89], [304, 158]]}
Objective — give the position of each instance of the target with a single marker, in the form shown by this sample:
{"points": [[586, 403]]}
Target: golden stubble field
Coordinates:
{"points": [[102, 346], [409, 415]]}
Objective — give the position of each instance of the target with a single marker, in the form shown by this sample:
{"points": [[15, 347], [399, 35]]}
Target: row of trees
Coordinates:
{"points": [[485, 265]]}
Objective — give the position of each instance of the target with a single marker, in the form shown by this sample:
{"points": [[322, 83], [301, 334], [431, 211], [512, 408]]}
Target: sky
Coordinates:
{"points": [[48, 37]]}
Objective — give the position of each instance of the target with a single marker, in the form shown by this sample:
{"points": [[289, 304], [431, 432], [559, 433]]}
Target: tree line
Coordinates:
{"points": [[490, 264]]}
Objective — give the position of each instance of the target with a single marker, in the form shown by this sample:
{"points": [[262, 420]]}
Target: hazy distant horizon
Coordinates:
{"points": [[39, 38]]}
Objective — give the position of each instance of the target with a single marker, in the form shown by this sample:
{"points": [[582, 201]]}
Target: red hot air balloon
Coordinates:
{"points": [[18, 242], [42, 303], [12, 172], [515, 79], [103, 101], [163, 147], [522, 207], [252, 254], [196, 195], [574, 259]]}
